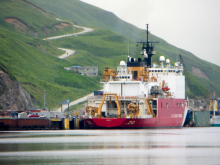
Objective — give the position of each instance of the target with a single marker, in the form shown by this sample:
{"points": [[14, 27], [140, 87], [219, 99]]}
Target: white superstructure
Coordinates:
{"points": [[124, 84]]}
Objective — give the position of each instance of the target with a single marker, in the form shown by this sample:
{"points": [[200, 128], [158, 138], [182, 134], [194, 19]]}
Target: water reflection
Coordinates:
{"points": [[165, 146]]}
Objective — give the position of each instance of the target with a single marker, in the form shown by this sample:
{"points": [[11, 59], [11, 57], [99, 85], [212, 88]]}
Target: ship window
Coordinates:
{"points": [[176, 104], [167, 105], [173, 70], [128, 76], [135, 75], [123, 77]]}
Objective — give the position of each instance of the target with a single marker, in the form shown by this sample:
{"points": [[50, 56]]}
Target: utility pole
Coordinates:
{"points": [[44, 99]]}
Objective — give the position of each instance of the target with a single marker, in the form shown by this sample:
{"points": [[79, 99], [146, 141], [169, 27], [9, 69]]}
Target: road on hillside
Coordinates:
{"points": [[65, 106], [68, 53], [85, 30]]}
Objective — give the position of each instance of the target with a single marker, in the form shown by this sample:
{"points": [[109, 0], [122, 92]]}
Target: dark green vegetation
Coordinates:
{"points": [[30, 20], [34, 63]]}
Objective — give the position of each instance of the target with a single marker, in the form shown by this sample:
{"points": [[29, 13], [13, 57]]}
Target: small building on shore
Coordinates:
{"points": [[87, 71]]}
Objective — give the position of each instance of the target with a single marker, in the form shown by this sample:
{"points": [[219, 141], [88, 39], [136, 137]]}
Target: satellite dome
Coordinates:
{"points": [[122, 63], [167, 61], [162, 58], [176, 64]]}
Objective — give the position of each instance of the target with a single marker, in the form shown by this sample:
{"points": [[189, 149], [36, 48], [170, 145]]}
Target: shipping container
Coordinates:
{"points": [[200, 118]]}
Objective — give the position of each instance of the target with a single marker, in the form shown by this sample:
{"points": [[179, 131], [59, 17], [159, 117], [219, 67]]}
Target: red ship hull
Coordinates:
{"points": [[170, 113]]}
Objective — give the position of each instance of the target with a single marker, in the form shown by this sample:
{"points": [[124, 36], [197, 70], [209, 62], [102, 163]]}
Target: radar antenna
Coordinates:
{"points": [[149, 48]]}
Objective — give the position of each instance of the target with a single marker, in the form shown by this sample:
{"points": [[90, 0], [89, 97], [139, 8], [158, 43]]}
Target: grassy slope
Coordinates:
{"points": [[37, 71], [90, 16], [37, 21], [33, 63], [100, 48]]}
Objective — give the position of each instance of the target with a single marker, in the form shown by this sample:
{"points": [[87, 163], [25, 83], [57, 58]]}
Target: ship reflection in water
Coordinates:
{"points": [[161, 146]]}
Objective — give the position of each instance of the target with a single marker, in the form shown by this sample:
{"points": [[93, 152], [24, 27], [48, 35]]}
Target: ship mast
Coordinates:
{"points": [[148, 50]]}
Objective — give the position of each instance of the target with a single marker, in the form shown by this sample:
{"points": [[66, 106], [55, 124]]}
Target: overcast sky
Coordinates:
{"points": [[193, 25]]}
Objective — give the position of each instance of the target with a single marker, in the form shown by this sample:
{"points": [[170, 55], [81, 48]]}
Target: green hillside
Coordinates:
{"points": [[31, 20], [32, 61], [100, 48], [90, 16]]}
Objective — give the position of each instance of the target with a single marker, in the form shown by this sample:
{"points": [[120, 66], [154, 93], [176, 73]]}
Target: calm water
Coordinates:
{"points": [[151, 146]]}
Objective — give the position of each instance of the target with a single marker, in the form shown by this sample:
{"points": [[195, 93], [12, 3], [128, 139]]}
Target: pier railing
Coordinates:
{"points": [[99, 97]]}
